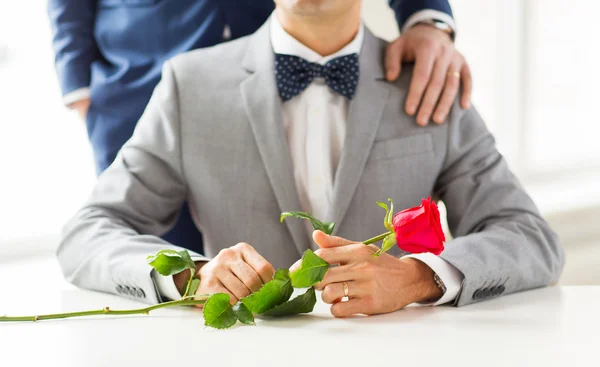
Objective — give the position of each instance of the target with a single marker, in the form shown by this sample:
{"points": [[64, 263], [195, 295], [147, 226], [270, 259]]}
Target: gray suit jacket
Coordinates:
{"points": [[212, 134]]}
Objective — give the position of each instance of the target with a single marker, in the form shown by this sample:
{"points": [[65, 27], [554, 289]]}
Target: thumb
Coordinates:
{"points": [[326, 241], [393, 60]]}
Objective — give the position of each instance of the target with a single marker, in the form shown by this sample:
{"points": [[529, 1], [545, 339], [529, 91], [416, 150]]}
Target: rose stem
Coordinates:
{"points": [[377, 238], [105, 311]]}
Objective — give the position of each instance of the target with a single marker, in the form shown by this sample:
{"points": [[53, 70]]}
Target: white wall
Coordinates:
{"points": [[46, 168]]}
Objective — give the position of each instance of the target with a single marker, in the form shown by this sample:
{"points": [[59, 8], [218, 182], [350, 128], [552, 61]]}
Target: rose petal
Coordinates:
{"points": [[411, 220], [419, 229]]}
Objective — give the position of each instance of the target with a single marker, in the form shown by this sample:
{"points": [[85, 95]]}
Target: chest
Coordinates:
{"points": [[229, 177]]}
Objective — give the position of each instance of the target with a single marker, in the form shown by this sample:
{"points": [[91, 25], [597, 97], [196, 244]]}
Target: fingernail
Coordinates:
{"points": [[411, 110], [438, 119], [424, 121]]}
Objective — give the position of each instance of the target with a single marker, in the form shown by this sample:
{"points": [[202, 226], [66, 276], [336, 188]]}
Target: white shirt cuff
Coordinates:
{"points": [[76, 95], [450, 275], [428, 14], [166, 285]]}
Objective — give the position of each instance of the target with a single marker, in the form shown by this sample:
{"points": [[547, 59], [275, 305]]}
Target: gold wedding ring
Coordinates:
{"points": [[455, 74], [345, 289]]}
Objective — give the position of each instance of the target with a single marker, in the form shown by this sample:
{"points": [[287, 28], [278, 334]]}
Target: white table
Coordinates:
{"points": [[547, 327]]}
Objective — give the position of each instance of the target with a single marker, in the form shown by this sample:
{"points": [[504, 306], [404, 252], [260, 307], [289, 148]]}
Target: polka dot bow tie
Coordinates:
{"points": [[294, 74]]}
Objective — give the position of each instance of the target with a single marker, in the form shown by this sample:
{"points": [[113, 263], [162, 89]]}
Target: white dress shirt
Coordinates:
{"points": [[425, 15], [315, 127]]}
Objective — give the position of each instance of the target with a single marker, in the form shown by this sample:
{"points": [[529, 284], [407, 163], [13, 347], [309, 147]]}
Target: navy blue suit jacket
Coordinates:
{"points": [[117, 48]]}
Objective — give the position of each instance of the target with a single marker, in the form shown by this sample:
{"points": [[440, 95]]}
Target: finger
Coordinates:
{"points": [[247, 275], [327, 241], [467, 83], [449, 95], [434, 89], [233, 284], [346, 254], [337, 275], [334, 292], [345, 309], [420, 79], [261, 266], [393, 60], [295, 266]]}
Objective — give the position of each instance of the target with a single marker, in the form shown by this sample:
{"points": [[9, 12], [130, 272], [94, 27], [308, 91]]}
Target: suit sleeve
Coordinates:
{"points": [[410, 12], [72, 23], [136, 200], [502, 244]]}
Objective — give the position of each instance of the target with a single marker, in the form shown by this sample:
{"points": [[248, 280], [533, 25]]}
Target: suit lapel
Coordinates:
{"points": [[263, 106], [366, 110]]}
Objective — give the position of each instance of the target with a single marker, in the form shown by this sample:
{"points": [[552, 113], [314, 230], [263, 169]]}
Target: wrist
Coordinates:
{"points": [[182, 278], [425, 286], [432, 26]]}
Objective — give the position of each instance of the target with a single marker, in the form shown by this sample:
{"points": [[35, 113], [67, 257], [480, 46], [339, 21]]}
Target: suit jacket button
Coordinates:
{"points": [[128, 290], [142, 293], [119, 289], [493, 291], [485, 293], [477, 294], [501, 289], [138, 293]]}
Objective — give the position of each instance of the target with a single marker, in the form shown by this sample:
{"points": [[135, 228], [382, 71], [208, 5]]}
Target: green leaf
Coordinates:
{"points": [[218, 312], [326, 227], [272, 294], [390, 216], [194, 286], [311, 271], [388, 243], [186, 257], [243, 314], [171, 262], [304, 303], [384, 206]]}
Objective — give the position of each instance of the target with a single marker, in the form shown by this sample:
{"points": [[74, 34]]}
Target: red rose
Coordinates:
{"points": [[419, 229]]}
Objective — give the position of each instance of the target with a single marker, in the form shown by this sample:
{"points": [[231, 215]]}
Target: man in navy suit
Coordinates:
{"points": [[109, 55]]}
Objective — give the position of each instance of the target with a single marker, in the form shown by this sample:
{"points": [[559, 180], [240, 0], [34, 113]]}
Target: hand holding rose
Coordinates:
{"points": [[376, 285], [237, 271], [374, 281]]}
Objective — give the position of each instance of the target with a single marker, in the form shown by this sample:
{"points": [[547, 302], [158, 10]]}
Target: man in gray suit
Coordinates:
{"points": [[265, 124]]}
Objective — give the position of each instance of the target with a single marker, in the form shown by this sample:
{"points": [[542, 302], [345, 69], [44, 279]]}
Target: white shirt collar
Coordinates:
{"points": [[284, 43]]}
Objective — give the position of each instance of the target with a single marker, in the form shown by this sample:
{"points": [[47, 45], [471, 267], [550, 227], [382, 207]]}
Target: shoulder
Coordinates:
{"points": [[209, 66]]}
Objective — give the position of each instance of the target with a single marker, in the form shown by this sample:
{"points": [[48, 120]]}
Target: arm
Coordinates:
{"points": [[502, 244], [410, 12], [135, 201], [72, 23], [104, 247]]}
